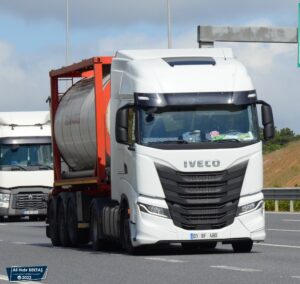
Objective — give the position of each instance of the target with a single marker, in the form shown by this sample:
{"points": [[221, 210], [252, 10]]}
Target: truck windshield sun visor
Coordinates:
{"points": [[190, 99], [26, 140]]}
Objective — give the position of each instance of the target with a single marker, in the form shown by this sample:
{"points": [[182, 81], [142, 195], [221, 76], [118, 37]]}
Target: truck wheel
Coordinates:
{"points": [[72, 228], [53, 228], [62, 225], [126, 233], [242, 246], [95, 226]]}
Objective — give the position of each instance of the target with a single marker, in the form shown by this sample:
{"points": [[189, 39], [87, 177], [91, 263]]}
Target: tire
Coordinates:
{"points": [[96, 235], [126, 232], [242, 246], [62, 225], [72, 227], [53, 226]]}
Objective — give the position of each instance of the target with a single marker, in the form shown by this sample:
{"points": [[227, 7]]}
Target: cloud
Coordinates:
{"points": [[111, 13], [24, 82], [273, 68]]}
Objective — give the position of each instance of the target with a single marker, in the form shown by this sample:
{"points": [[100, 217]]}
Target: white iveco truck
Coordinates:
{"points": [[183, 161], [26, 173]]}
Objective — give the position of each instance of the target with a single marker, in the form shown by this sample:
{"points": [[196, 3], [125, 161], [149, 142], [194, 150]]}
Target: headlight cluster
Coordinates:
{"points": [[250, 207], [154, 210], [4, 200]]}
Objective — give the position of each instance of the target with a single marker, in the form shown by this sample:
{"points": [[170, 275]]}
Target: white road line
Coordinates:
{"points": [[165, 260], [290, 220], [3, 224], [276, 245], [235, 268], [5, 278], [19, 243], [296, 276], [283, 230]]}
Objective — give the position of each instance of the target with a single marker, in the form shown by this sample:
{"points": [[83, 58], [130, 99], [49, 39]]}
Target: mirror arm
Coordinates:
{"points": [[131, 147], [261, 102]]}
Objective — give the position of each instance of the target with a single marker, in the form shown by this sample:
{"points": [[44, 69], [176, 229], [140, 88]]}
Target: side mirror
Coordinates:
{"points": [[267, 121], [122, 126]]}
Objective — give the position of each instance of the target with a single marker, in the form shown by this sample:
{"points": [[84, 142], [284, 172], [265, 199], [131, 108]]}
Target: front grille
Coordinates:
{"points": [[30, 200], [202, 200]]}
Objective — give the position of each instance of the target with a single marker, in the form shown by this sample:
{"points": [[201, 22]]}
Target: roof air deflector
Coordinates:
{"points": [[175, 61]]}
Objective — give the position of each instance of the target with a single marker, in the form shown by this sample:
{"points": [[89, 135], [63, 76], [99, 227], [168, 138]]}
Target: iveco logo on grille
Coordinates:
{"points": [[202, 163]]}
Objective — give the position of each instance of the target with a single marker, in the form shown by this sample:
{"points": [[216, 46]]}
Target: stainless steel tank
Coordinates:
{"points": [[74, 125]]}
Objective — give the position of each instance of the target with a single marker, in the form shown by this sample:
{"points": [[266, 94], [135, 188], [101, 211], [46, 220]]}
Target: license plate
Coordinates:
{"points": [[31, 212], [203, 236]]}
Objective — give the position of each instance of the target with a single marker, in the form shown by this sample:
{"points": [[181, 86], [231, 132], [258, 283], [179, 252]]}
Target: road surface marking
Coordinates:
{"points": [[19, 243], [283, 230], [5, 278], [235, 268], [290, 220], [3, 224], [1, 240], [276, 245], [166, 260], [297, 277]]}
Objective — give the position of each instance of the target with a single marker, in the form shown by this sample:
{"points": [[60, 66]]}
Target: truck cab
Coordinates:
{"points": [[26, 167]]}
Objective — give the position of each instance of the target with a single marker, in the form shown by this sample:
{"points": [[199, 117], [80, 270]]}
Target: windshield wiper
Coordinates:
{"points": [[169, 142], [226, 140], [175, 142], [42, 166], [45, 167], [17, 167]]}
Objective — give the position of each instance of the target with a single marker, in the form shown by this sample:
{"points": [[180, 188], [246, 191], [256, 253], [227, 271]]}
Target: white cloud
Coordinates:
{"points": [[103, 13], [24, 82]]}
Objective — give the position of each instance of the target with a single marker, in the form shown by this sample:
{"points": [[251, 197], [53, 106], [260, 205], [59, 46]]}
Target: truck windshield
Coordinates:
{"points": [[25, 157], [213, 124]]}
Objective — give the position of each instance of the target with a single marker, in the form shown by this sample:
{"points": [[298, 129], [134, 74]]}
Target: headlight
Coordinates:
{"points": [[4, 200], [250, 207], [154, 210]]}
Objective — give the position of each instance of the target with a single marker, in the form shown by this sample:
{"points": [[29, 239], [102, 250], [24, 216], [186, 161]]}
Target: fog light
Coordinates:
{"points": [[154, 210], [250, 207]]}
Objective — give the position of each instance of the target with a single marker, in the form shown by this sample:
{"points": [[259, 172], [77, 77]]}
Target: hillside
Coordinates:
{"points": [[282, 167]]}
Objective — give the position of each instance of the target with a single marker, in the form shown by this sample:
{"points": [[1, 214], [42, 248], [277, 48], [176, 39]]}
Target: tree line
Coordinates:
{"points": [[282, 137]]}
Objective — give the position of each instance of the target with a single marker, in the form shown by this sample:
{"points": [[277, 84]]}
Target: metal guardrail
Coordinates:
{"points": [[288, 193]]}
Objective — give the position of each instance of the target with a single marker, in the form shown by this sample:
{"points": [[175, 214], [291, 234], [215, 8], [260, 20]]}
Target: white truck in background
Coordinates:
{"points": [[26, 169]]}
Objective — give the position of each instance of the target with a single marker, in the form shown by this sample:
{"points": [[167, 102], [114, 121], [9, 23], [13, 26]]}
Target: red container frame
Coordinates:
{"points": [[93, 67]]}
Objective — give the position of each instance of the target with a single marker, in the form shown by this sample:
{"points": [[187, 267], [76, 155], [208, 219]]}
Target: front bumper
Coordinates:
{"points": [[27, 210], [150, 229]]}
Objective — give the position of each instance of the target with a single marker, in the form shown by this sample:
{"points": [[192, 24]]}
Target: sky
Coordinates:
{"points": [[32, 42]]}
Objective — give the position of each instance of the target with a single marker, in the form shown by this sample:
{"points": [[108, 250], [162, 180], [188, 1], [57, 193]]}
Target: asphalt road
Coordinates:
{"points": [[275, 261]]}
